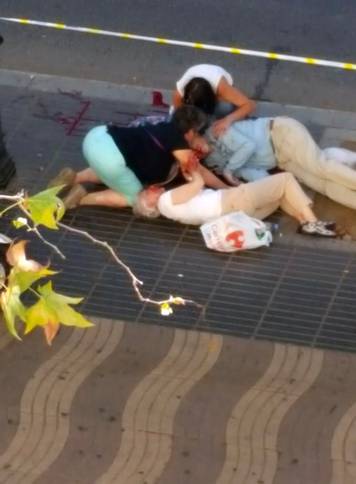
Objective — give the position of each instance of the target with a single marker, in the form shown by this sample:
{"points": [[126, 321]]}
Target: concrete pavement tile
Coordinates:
{"points": [[96, 425], [28, 357], [201, 422], [273, 293], [308, 429], [337, 137], [329, 210]]}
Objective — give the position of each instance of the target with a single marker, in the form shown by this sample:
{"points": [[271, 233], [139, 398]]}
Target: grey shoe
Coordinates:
{"points": [[74, 196], [65, 177]]}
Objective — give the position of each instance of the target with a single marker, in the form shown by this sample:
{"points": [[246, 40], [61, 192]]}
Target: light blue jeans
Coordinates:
{"points": [[105, 158]]}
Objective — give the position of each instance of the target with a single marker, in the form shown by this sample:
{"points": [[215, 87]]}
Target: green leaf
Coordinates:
{"points": [[40, 314], [46, 208], [25, 279], [12, 308], [60, 304]]}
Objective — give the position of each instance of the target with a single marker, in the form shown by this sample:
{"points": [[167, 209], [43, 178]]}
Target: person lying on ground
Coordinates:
{"points": [[210, 88], [125, 159], [249, 148], [191, 203]]}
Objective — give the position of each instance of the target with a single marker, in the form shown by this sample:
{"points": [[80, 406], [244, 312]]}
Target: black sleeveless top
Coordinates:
{"points": [[148, 149]]}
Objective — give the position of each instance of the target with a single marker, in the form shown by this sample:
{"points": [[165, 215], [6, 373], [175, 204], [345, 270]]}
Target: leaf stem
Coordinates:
{"points": [[40, 236]]}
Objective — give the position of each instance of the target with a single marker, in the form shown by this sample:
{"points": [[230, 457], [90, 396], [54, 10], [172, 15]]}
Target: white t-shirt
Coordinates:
{"points": [[205, 206], [209, 72]]}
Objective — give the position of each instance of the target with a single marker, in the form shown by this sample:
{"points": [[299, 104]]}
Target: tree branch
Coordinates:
{"points": [[40, 236], [135, 281]]}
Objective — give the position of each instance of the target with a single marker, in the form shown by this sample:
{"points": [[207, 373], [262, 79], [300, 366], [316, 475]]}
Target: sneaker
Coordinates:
{"points": [[65, 177], [318, 228], [74, 196]]}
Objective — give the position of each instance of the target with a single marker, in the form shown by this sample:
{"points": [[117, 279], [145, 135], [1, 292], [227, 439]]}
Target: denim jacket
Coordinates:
{"points": [[245, 149]]}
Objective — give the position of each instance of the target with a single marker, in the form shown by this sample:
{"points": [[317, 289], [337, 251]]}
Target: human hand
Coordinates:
{"points": [[220, 126], [190, 164]]}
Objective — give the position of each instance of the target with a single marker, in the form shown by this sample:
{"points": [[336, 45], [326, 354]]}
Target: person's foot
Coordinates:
{"points": [[74, 196], [65, 177], [318, 228]]}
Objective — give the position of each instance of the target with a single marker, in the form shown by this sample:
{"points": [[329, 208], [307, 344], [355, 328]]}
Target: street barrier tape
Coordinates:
{"points": [[181, 43]]}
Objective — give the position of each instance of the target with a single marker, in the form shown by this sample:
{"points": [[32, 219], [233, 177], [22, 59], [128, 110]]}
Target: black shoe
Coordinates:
{"points": [[318, 228]]}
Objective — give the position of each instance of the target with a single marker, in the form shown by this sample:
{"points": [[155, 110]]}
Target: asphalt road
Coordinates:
{"points": [[313, 28]]}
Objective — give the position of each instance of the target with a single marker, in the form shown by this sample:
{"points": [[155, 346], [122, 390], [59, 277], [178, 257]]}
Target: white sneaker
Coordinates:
{"points": [[318, 228]]}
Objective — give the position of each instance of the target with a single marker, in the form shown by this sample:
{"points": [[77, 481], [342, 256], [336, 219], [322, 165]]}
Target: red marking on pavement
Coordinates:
{"points": [[79, 118], [157, 99]]}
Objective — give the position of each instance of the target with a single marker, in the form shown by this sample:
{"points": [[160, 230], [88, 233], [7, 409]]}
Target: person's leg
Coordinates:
{"points": [[293, 144], [294, 201], [107, 198], [87, 175], [295, 147], [108, 163], [266, 211], [269, 192], [286, 191], [261, 198]]}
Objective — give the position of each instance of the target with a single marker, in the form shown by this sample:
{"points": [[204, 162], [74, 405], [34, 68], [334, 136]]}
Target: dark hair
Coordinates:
{"points": [[198, 92], [189, 117]]}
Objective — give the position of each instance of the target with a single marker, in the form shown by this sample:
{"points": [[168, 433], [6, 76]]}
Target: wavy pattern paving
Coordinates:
{"points": [[252, 431], [44, 424], [150, 411], [343, 447]]}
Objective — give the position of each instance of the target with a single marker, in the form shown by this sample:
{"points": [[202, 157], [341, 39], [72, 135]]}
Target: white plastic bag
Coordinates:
{"points": [[235, 231]]}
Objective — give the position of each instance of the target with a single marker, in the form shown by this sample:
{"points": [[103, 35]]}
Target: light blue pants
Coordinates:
{"points": [[105, 158]]}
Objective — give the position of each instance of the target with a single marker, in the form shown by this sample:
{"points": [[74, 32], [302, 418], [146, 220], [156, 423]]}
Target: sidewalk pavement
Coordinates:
{"points": [[255, 390]]}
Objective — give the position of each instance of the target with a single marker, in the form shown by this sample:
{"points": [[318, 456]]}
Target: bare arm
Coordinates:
{"points": [[211, 180], [186, 192], [187, 159], [230, 94]]}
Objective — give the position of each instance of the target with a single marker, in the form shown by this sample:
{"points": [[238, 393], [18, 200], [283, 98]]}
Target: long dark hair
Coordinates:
{"points": [[198, 92], [189, 117]]}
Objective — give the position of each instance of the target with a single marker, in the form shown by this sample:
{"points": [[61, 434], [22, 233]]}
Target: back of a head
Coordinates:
{"points": [[190, 117], [143, 209], [198, 92]]}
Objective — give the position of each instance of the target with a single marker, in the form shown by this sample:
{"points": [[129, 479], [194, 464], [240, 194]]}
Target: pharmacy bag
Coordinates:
{"points": [[235, 231]]}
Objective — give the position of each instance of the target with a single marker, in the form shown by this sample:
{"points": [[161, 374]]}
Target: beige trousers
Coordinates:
{"points": [[261, 198], [297, 152]]}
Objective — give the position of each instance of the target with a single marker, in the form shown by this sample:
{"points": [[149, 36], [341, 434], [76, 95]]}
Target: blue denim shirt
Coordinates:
{"points": [[245, 149]]}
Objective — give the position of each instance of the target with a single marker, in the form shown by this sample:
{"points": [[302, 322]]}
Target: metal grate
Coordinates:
{"points": [[285, 293]]}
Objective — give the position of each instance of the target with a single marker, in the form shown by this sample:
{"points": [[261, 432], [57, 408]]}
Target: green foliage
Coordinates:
{"points": [[45, 208], [51, 308], [12, 308], [54, 308]]}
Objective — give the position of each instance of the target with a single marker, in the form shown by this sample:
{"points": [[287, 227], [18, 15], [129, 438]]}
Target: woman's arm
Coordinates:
{"points": [[230, 94], [188, 160], [186, 192], [211, 180]]}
